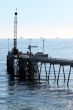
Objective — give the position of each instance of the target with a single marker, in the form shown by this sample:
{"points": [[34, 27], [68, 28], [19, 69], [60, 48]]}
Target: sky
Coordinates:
{"points": [[37, 18]]}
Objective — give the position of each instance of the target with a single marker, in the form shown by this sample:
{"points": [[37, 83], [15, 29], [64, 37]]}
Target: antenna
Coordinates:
{"points": [[43, 45], [8, 44], [30, 41], [15, 30]]}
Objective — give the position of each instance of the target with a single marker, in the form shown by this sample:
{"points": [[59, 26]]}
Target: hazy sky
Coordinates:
{"points": [[37, 18]]}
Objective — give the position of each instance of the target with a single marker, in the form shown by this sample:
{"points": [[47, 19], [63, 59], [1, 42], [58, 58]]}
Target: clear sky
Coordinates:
{"points": [[37, 18]]}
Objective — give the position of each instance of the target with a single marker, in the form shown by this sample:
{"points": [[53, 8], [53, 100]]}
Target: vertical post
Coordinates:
{"points": [[49, 71], [58, 74], [15, 66], [54, 71], [40, 70], [63, 73], [45, 70], [69, 76]]}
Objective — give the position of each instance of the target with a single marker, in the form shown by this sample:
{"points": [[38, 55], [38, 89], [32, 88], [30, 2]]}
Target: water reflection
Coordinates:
{"points": [[34, 95], [21, 94], [16, 94]]}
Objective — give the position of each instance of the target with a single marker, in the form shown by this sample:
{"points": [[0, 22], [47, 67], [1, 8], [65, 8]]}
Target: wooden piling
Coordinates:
{"points": [[63, 73], [58, 74], [49, 71], [45, 70], [69, 76], [54, 72]]}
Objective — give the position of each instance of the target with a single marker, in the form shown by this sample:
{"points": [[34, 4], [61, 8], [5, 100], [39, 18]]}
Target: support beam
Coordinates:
{"points": [[58, 74], [49, 71], [40, 68], [63, 73], [54, 71], [69, 76], [45, 70], [38, 72]]}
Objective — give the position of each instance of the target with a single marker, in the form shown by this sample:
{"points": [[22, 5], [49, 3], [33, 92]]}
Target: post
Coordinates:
{"points": [[69, 76], [58, 74], [63, 73], [54, 71], [45, 70], [40, 70], [49, 71], [15, 30]]}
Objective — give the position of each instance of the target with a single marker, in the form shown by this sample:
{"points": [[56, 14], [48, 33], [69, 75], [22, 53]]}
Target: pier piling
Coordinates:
{"points": [[69, 76], [58, 74]]}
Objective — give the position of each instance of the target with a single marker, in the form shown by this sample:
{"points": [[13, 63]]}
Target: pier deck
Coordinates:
{"points": [[50, 60], [24, 59]]}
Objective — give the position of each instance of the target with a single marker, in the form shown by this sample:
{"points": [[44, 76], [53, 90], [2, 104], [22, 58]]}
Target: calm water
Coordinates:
{"points": [[23, 95]]}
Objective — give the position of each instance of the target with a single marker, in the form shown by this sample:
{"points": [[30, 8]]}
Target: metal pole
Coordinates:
{"points": [[15, 30]]}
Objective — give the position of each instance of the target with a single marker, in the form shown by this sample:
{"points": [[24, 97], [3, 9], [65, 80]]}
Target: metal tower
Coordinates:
{"points": [[15, 30]]}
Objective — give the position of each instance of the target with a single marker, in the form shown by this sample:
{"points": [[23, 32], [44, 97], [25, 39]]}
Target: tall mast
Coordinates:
{"points": [[15, 30]]}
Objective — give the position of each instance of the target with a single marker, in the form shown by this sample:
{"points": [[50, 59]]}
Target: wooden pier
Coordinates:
{"points": [[28, 65]]}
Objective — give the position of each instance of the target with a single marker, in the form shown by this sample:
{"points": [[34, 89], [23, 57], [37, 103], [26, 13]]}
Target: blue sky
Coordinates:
{"points": [[37, 18]]}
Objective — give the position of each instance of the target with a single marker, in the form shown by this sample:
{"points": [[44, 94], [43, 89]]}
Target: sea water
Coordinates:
{"points": [[25, 95]]}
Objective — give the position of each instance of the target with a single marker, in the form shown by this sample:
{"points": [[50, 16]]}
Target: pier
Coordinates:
{"points": [[28, 65]]}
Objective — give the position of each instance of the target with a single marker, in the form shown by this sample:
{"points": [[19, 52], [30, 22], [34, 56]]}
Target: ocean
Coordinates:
{"points": [[25, 95]]}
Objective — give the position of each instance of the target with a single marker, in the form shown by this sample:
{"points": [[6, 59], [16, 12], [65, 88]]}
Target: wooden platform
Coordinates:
{"points": [[44, 59]]}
